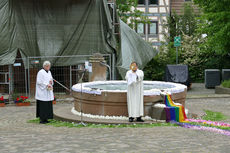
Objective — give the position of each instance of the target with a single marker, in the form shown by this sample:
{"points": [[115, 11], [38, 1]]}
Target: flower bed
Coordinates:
{"points": [[22, 101], [2, 102], [23, 104]]}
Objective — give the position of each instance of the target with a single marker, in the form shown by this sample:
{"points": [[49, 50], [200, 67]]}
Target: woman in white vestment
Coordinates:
{"points": [[135, 91], [44, 93]]}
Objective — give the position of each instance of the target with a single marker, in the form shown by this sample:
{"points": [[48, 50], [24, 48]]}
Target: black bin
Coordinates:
{"points": [[225, 74], [212, 78], [178, 74]]}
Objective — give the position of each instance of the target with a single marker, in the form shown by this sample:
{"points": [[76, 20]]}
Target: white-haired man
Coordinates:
{"points": [[44, 93]]}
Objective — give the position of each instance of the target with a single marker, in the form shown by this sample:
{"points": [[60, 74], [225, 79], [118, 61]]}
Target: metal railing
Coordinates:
{"points": [[21, 76]]}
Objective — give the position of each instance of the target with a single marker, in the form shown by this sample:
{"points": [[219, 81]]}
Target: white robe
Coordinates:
{"points": [[135, 93], [42, 92]]}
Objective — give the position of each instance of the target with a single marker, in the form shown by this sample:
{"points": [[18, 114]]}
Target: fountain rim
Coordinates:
{"points": [[176, 89]]}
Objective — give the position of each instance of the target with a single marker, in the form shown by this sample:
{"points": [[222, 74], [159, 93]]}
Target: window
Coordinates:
{"points": [[153, 28], [140, 28], [141, 2], [153, 2]]}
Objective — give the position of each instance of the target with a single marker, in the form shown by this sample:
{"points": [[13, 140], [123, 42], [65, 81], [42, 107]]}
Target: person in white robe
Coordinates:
{"points": [[135, 91], [44, 93]]}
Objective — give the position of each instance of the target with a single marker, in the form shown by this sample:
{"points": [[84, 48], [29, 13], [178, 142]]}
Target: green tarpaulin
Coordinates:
{"points": [[64, 28], [55, 28], [133, 48]]}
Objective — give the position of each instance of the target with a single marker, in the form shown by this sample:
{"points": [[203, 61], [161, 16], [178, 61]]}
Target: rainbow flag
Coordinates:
{"points": [[174, 112]]}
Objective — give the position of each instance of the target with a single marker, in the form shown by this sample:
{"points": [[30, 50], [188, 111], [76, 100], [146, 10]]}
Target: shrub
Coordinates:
{"points": [[226, 84]]}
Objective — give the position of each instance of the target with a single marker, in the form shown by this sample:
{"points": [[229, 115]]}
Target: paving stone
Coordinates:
{"points": [[18, 136]]}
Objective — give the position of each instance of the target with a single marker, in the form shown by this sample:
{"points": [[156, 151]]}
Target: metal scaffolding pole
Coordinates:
{"points": [[70, 77], [28, 66]]}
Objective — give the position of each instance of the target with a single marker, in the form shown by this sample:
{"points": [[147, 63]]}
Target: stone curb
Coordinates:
{"points": [[222, 90], [64, 114], [208, 96]]}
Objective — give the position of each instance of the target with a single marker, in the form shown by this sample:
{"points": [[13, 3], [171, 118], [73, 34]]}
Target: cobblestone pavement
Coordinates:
{"points": [[199, 89], [18, 136]]}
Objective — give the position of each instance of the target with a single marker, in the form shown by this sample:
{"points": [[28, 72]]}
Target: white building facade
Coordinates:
{"points": [[157, 12]]}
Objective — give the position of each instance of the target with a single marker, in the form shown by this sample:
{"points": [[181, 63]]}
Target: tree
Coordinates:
{"points": [[183, 25], [197, 52], [128, 12], [186, 23], [194, 55], [216, 24]]}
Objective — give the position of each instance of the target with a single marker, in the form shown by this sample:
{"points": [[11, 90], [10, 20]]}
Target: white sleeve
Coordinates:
{"points": [[140, 75], [127, 76], [131, 77], [40, 81]]}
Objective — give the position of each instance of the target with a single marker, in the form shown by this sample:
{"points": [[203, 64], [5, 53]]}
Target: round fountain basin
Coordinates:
{"points": [[110, 97]]}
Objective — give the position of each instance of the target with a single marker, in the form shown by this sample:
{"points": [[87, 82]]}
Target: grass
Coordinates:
{"points": [[57, 123], [226, 83], [214, 116], [210, 115]]}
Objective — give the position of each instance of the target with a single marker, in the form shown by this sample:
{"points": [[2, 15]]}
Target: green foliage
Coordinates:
{"points": [[155, 69], [196, 51], [183, 25], [127, 11], [56, 123], [15, 95], [226, 83], [214, 116], [193, 54], [216, 17]]}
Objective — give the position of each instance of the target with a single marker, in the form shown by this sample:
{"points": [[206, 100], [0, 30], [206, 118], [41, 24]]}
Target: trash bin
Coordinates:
{"points": [[225, 74], [178, 74], [212, 78]]}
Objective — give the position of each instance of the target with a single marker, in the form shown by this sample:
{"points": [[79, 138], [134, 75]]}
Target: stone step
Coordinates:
{"points": [[158, 112]]}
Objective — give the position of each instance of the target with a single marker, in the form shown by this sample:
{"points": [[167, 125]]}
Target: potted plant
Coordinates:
{"points": [[2, 102], [22, 101]]}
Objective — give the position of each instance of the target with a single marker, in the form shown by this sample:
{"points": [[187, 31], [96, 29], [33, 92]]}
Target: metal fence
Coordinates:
{"points": [[4, 79], [20, 78]]}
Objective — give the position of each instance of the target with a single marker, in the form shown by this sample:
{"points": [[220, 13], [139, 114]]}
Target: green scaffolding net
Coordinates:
{"points": [[65, 28]]}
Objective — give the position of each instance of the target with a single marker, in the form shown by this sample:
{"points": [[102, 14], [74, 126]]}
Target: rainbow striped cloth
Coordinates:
{"points": [[174, 112]]}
